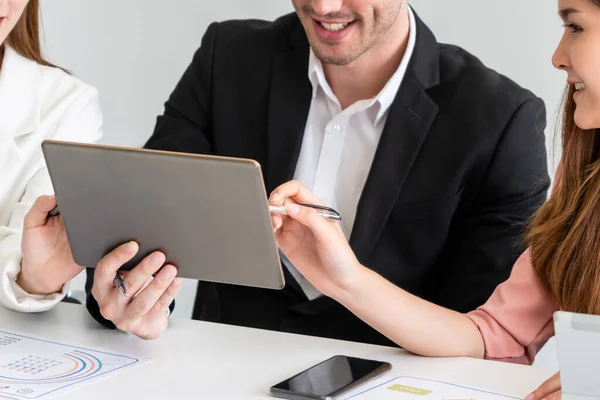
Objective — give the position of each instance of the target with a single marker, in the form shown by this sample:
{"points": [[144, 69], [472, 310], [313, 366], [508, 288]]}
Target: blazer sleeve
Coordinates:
{"points": [[186, 122], [184, 126], [517, 319], [81, 123], [484, 244]]}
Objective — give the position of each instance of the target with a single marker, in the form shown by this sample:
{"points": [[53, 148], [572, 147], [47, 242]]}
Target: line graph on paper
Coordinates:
{"points": [[32, 368], [39, 370]]}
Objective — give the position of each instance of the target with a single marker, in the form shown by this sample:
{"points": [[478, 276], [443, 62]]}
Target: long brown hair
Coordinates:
{"points": [[25, 36], [565, 233]]}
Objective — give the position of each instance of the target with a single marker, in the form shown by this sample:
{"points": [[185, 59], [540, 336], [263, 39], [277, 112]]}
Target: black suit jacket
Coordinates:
{"points": [[459, 170]]}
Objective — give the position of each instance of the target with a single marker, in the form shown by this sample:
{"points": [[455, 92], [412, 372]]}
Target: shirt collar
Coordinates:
{"points": [[385, 98]]}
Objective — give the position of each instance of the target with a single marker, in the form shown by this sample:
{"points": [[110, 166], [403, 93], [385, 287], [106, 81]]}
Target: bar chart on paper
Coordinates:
{"points": [[32, 368], [407, 388]]}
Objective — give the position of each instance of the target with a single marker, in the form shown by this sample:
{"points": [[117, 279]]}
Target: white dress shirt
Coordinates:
{"points": [[339, 145], [36, 103]]}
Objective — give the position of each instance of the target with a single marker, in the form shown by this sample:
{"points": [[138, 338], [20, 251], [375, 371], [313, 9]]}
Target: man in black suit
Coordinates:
{"points": [[435, 161]]}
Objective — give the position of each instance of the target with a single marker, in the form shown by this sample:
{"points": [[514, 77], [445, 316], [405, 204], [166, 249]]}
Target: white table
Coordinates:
{"points": [[201, 360]]}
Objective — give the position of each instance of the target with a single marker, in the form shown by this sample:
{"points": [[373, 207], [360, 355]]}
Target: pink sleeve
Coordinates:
{"points": [[516, 321]]}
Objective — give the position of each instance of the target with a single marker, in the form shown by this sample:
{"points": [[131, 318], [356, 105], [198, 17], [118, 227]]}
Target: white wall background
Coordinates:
{"points": [[134, 51]]}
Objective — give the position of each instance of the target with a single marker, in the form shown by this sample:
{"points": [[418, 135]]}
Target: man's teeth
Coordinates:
{"points": [[579, 86], [333, 27]]}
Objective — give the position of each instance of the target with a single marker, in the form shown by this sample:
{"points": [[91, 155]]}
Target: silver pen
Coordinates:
{"points": [[325, 212], [119, 284]]}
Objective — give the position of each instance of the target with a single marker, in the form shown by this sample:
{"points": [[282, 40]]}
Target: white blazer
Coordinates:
{"points": [[36, 103]]}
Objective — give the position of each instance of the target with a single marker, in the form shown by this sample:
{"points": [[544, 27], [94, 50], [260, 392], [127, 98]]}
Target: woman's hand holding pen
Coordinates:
{"points": [[144, 311], [315, 245]]}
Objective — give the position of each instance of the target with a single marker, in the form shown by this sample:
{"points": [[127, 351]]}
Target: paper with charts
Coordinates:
{"points": [[405, 388], [33, 368]]}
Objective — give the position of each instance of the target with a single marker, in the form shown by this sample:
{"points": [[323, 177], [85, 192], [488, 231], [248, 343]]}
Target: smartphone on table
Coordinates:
{"points": [[329, 379]]}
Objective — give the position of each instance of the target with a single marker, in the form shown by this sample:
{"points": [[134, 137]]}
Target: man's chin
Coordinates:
{"points": [[335, 57]]}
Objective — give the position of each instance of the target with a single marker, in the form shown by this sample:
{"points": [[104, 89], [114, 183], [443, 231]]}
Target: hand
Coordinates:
{"points": [[47, 262], [549, 390], [316, 247], [144, 312]]}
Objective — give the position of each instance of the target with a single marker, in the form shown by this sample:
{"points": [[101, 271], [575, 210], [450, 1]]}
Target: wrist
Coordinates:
{"points": [[352, 285], [31, 285]]}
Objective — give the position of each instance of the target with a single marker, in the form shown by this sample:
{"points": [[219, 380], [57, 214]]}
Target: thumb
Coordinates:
{"points": [[38, 214], [552, 385], [320, 228]]}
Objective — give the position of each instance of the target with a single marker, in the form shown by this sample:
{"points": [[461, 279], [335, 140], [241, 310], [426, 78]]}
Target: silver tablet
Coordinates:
{"points": [[209, 215], [578, 346]]}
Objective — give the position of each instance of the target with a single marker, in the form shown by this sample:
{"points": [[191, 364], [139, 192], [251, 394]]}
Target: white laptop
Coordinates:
{"points": [[578, 347]]}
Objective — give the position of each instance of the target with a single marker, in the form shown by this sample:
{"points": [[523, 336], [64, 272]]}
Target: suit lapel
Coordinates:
{"points": [[406, 128], [408, 123], [405, 131], [20, 108], [19, 94], [289, 104]]}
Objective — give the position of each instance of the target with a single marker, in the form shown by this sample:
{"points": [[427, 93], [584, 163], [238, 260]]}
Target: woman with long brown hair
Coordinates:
{"points": [[38, 101], [560, 270]]}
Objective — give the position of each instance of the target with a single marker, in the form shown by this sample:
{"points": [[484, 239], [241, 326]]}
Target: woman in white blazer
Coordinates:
{"points": [[38, 101]]}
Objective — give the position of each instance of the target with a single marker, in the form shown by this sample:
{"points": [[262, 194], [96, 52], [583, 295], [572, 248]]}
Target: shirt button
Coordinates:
{"points": [[336, 128]]}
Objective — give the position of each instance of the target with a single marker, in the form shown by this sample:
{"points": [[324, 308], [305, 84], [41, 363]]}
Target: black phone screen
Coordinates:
{"points": [[331, 376]]}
